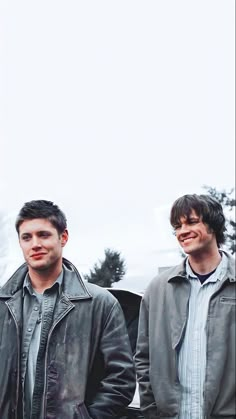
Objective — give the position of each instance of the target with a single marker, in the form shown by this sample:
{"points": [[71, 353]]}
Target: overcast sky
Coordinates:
{"points": [[113, 109]]}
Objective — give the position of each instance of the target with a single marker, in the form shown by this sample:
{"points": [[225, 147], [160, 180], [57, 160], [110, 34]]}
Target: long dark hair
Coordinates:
{"points": [[206, 207]]}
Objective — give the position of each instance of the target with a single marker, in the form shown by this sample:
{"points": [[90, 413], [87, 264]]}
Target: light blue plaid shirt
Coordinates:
{"points": [[192, 354]]}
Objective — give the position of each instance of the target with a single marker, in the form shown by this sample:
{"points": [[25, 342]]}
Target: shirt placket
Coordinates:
{"points": [[49, 299], [28, 333], [196, 360]]}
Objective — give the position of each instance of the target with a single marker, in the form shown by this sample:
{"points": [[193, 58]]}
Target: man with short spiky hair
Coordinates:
{"points": [[185, 355], [64, 347]]}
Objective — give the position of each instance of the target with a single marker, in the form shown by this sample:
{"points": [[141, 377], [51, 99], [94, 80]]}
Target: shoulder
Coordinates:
{"points": [[161, 282], [99, 292], [230, 260], [14, 283], [76, 287], [105, 304], [101, 297]]}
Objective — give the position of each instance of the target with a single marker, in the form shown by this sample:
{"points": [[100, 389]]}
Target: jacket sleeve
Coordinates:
{"points": [[147, 401], [117, 387]]}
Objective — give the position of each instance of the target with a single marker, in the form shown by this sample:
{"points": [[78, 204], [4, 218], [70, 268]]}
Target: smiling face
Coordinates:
{"points": [[194, 236], [42, 245]]}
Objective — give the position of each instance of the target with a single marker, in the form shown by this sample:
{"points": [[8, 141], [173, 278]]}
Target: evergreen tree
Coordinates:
{"points": [[106, 272], [228, 203]]}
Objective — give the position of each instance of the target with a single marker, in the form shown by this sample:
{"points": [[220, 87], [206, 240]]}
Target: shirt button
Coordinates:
{"points": [[29, 329], [23, 355], [36, 308]]}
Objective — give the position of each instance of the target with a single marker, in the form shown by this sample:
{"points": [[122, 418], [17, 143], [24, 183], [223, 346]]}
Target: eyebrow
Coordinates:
{"points": [[188, 218], [27, 233]]}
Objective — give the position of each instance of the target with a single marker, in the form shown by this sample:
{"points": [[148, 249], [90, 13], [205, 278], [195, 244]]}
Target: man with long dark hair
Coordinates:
{"points": [[64, 347], [186, 342]]}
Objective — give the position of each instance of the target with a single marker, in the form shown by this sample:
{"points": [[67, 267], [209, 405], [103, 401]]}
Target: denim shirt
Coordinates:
{"points": [[38, 312]]}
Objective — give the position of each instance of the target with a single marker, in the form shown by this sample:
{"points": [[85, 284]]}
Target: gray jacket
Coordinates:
{"points": [[89, 370], [163, 317]]}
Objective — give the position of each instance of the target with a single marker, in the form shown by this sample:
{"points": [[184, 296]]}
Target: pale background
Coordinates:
{"points": [[113, 109]]}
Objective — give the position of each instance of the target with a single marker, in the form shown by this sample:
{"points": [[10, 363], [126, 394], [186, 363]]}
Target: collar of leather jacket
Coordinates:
{"points": [[73, 285]]}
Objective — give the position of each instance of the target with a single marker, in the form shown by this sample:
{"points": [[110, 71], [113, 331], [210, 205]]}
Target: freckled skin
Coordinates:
{"points": [[42, 249]]}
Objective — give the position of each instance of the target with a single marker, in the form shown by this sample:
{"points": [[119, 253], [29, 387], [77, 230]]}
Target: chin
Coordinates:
{"points": [[39, 267], [189, 251]]}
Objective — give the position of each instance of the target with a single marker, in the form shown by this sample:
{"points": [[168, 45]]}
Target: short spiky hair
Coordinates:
{"points": [[42, 209], [206, 207]]}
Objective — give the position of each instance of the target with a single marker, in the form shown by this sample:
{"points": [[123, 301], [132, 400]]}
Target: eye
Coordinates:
{"points": [[193, 221], [44, 234], [25, 237]]}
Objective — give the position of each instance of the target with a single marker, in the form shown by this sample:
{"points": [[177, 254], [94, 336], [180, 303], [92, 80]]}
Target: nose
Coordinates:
{"points": [[35, 242], [183, 229]]}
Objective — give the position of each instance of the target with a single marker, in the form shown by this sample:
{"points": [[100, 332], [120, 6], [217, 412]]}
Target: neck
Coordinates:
{"points": [[203, 264], [42, 280]]}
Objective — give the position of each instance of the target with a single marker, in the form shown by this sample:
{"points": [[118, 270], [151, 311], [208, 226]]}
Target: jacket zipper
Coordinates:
{"points": [[181, 335], [18, 359], [46, 358], [207, 339]]}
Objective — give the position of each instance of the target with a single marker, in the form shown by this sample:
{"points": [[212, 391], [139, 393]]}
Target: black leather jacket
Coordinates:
{"points": [[88, 366]]}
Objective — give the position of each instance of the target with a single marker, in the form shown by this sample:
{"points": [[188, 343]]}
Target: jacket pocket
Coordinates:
{"points": [[228, 300], [81, 412]]}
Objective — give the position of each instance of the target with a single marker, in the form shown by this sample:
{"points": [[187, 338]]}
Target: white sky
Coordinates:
{"points": [[113, 109]]}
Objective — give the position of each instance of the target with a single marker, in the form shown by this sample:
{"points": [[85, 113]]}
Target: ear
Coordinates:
{"points": [[64, 237]]}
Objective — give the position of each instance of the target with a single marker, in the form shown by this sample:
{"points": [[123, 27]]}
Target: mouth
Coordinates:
{"points": [[37, 255], [187, 240]]}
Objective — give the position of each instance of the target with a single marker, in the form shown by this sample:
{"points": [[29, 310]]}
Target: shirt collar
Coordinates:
{"points": [[218, 275], [27, 286]]}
